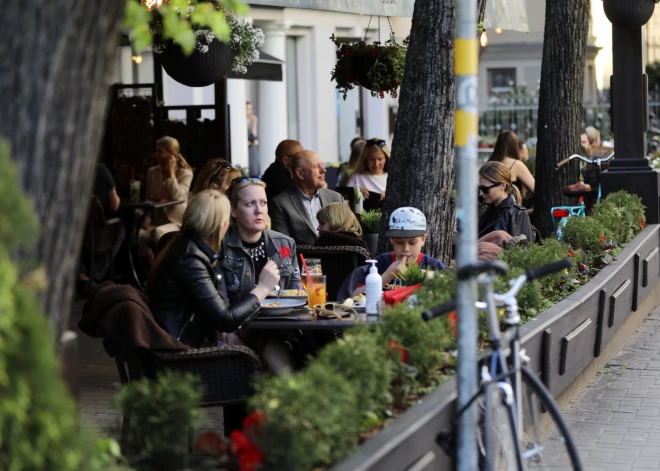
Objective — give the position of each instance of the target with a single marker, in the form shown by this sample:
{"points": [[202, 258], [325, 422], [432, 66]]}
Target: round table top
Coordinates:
{"points": [[301, 320]]}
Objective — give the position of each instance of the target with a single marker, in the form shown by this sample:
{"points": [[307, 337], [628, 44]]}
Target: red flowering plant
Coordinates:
{"points": [[239, 453], [376, 66]]}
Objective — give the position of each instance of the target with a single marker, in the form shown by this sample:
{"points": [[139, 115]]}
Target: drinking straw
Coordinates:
{"points": [[309, 276]]}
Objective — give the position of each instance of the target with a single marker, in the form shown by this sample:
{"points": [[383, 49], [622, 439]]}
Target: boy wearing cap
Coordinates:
{"points": [[407, 234]]}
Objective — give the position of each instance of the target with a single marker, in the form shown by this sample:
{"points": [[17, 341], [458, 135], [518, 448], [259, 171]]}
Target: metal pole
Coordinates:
{"points": [[466, 140]]}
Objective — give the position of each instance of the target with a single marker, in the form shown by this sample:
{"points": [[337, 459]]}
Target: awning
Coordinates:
{"points": [[266, 68], [504, 14]]}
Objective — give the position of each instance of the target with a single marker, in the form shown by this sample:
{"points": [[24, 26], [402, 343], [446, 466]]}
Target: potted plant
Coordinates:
{"points": [[210, 59], [377, 67], [370, 222], [629, 14]]}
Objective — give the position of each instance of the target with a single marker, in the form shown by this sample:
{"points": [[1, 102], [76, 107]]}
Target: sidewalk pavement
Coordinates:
{"points": [[616, 420]]}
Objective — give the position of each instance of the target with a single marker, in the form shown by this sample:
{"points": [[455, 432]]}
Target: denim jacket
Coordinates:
{"points": [[239, 268]]}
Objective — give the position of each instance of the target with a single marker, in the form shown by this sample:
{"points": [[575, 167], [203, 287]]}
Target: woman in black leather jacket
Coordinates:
{"points": [[188, 294], [504, 211]]}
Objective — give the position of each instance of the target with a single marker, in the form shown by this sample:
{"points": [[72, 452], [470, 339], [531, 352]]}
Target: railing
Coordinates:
{"points": [[523, 119]]}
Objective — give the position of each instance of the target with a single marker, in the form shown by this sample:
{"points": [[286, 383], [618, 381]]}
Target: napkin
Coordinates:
{"points": [[395, 296]]}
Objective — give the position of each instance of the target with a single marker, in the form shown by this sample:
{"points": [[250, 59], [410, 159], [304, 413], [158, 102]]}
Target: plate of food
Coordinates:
{"points": [[283, 306], [289, 294], [358, 302]]}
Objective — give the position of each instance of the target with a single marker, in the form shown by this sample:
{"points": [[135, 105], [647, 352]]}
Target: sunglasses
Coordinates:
{"points": [[238, 180], [486, 189], [222, 164], [376, 142]]}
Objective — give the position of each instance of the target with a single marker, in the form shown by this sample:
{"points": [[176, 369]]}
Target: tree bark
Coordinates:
{"points": [[423, 165], [560, 104], [56, 63]]}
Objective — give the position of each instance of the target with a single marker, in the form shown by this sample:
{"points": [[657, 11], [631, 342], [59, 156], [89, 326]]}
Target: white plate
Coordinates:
{"points": [[285, 305]]}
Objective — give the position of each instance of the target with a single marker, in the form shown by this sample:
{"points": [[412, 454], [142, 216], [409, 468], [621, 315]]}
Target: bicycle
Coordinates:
{"points": [[563, 213], [511, 398]]}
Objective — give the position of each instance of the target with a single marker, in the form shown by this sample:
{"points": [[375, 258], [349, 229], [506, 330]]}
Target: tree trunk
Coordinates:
{"points": [[423, 165], [57, 58], [560, 104]]}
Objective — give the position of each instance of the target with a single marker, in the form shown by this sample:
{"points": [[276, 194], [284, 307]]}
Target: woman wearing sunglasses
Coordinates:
{"points": [[249, 250], [504, 212], [371, 170]]}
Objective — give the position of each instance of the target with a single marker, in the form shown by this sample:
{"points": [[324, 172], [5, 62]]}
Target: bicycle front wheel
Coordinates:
{"points": [[546, 442], [499, 437]]}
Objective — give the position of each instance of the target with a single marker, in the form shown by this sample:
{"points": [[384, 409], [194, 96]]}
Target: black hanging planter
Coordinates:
{"points": [[628, 14], [199, 69]]}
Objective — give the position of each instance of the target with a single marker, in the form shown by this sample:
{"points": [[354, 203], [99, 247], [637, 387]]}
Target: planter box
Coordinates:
{"points": [[561, 342]]}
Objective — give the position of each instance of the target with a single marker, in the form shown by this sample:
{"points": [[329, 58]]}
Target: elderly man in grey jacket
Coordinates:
{"points": [[293, 212]]}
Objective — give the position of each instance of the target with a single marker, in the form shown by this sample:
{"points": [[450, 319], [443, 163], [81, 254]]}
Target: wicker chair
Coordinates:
{"points": [[338, 263]]}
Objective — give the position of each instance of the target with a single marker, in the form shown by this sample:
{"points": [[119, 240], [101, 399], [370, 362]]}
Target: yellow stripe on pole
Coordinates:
{"points": [[465, 56], [466, 126]]}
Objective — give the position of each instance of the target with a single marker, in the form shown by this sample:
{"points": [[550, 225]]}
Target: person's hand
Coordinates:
{"points": [[269, 276], [382, 196], [256, 142], [365, 192], [394, 269], [169, 167]]}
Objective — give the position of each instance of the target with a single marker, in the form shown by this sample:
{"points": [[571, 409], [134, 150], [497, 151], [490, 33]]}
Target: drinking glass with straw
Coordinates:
{"points": [[315, 286]]}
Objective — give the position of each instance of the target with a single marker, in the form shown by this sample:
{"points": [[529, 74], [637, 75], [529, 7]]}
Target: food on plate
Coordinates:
{"points": [[290, 292], [275, 304], [357, 300]]}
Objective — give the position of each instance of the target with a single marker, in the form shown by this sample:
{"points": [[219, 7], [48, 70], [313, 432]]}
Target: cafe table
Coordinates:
{"points": [[128, 211], [301, 319]]}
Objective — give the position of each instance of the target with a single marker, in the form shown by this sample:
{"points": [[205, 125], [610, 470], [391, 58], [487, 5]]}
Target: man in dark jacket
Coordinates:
{"points": [[277, 176]]}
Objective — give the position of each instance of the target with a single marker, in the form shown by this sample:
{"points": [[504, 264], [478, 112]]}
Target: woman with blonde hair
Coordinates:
{"points": [[216, 174], [338, 226], [187, 297], [371, 169], [503, 200], [168, 181]]}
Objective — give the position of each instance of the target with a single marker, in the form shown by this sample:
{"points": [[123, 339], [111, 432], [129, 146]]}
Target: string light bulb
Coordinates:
{"points": [[152, 3], [137, 59], [498, 30], [483, 40]]}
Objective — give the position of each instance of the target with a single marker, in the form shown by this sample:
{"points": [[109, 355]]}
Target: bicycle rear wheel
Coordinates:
{"points": [[499, 437], [546, 442]]}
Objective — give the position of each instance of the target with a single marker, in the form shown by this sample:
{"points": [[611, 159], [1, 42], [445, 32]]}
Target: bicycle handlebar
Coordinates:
{"points": [[596, 160], [503, 298]]}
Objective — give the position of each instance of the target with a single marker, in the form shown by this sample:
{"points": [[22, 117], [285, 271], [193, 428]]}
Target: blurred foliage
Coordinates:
{"points": [[39, 423], [162, 412], [622, 215], [138, 21], [369, 220]]}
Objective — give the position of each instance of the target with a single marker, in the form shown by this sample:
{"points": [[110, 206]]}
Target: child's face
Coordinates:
{"points": [[408, 247]]}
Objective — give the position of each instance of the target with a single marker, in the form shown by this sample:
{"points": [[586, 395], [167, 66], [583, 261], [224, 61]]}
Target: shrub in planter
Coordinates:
{"points": [[38, 418], [370, 222], [622, 215], [312, 418], [162, 412], [361, 358], [586, 234]]}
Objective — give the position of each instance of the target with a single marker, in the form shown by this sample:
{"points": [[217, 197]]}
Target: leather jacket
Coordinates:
{"points": [[238, 266], [189, 298], [509, 217]]}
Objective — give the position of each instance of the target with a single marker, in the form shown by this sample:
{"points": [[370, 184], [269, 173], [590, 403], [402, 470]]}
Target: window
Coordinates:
{"points": [[501, 80]]}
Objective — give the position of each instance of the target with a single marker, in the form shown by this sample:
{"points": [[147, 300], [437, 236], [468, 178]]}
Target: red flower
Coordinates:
{"points": [[642, 223], [583, 267], [239, 442], [395, 346], [453, 322], [348, 53], [571, 253], [603, 239], [373, 51], [382, 94], [255, 419], [362, 43], [249, 460], [377, 43]]}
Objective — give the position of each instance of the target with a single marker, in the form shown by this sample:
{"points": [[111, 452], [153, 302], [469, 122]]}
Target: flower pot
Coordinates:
{"points": [[628, 14], [199, 69], [372, 243]]}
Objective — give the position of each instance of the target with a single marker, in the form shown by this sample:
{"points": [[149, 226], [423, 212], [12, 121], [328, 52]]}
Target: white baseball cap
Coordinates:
{"points": [[407, 222]]}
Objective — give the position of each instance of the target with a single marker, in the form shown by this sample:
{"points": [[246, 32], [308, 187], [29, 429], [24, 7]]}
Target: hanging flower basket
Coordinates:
{"points": [[199, 69], [377, 67], [629, 14]]}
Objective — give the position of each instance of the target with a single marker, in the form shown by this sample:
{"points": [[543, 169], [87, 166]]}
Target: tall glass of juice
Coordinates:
{"points": [[315, 290]]}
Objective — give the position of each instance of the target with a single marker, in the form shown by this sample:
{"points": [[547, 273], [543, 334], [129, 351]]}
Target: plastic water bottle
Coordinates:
{"points": [[374, 284]]}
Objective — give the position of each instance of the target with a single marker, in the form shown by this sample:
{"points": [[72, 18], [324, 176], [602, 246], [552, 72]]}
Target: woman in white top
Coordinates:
{"points": [[371, 169], [169, 180]]}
